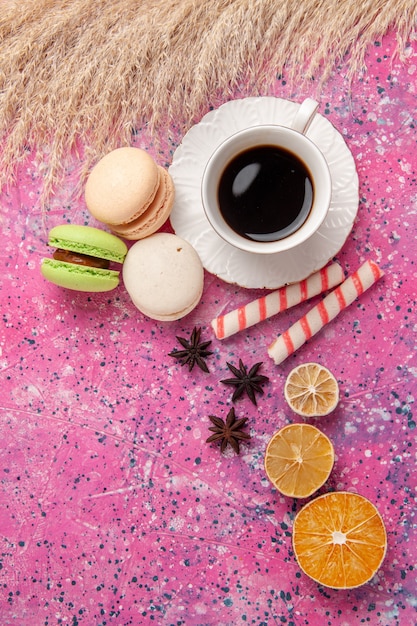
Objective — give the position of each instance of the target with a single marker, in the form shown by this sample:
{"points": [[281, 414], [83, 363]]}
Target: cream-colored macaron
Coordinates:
{"points": [[155, 215], [164, 276], [122, 185]]}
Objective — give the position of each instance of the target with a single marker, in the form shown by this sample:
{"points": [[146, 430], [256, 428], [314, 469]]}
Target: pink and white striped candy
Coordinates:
{"points": [[325, 311], [258, 310]]}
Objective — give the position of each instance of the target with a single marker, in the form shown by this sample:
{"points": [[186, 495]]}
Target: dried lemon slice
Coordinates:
{"points": [[311, 390], [339, 540], [298, 460]]}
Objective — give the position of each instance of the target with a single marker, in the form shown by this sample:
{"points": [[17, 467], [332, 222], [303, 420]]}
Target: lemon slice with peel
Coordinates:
{"points": [[339, 540], [298, 460], [311, 390]]}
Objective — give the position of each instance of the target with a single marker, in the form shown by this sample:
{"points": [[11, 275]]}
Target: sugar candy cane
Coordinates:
{"points": [[279, 300], [325, 311]]}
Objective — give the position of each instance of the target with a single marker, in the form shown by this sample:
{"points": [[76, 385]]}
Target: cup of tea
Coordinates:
{"points": [[267, 188]]}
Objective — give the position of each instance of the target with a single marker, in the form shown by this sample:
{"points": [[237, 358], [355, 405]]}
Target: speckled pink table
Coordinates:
{"points": [[114, 510]]}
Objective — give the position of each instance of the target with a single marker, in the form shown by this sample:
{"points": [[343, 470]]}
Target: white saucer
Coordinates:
{"points": [[244, 268]]}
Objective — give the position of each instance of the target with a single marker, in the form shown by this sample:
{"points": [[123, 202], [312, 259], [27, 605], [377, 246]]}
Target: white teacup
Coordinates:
{"points": [[267, 188]]}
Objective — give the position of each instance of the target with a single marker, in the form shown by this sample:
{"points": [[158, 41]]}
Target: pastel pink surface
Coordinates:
{"points": [[114, 509]]}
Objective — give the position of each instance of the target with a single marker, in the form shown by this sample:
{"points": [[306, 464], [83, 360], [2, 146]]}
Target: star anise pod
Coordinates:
{"points": [[245, 381], [228, 432], [195, 351]]}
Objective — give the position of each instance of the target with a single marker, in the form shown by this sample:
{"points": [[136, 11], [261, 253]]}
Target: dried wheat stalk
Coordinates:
{"points": [[88, 72]]}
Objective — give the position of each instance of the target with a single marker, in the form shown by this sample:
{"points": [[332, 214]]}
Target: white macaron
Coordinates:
{"points": [[164, 276]]}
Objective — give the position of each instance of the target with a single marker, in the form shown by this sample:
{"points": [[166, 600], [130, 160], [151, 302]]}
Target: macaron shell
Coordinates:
{"points": [[164, 276], [155, 215], [78, 277], [88, 240], [121, 186], [172, 317]]}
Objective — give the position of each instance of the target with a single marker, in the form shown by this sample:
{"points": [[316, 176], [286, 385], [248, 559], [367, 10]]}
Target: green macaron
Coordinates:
{"points": [[82, 258]]}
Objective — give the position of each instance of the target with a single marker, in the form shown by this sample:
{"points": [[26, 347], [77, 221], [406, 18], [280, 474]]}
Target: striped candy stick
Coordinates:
{"points": [[324, 312], [258, 310]]}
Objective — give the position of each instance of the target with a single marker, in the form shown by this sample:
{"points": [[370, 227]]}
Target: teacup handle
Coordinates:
{"points": [[305, 115]]}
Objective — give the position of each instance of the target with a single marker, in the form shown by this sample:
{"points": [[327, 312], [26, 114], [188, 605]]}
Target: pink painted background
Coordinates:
{"points": [[114, 510]]}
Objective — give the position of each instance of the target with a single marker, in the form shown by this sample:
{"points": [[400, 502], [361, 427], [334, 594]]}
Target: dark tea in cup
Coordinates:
{"points": [[265, 193]]}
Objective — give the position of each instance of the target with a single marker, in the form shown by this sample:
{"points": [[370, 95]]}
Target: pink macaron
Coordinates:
{"points": [[130, 193], [155, 215]]}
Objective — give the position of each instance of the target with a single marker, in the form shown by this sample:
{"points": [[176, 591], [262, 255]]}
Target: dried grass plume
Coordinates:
{"points": [[88, 72]]}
